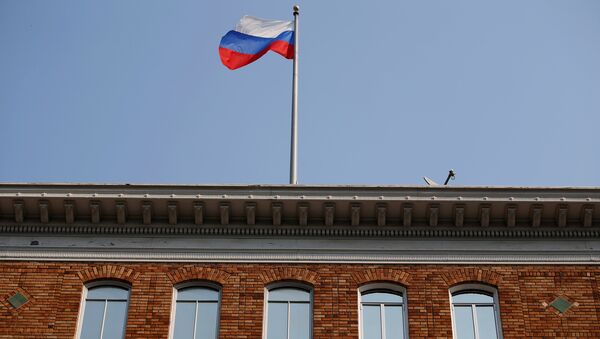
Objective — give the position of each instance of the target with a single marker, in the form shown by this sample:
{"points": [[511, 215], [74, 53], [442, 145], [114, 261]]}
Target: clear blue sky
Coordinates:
{"points": [[505, 92]]}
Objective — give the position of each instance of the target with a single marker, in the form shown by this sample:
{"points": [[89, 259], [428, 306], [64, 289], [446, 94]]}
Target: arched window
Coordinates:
{"points": [[104, 310], [475, 313], [289, 311], [383, 312], [196, 311]]}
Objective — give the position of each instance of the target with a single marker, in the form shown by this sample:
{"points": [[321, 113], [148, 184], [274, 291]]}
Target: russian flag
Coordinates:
{"points": [[253, 37]]}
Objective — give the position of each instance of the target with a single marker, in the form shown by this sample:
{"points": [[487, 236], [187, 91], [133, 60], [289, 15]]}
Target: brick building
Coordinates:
{"points": [[298, 262]]}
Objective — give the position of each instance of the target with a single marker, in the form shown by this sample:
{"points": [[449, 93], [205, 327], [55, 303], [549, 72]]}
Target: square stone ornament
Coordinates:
{"points": [[561, 304], [17, 300]]}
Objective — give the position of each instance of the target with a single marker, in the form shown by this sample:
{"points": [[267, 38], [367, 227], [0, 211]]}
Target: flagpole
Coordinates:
{"points": [[294, 144]]}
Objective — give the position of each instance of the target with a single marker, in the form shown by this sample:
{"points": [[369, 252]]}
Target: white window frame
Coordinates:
{"points": [[194, 283], [482, 288], [287, 284], [383, 287], [99, 283]]}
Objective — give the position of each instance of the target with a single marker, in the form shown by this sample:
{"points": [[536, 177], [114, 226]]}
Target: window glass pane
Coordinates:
{"points": [[299, 321], [114, 323], [277, 320], [185, 312], [92, 319], [197, 293], [108, 292], [463, 322], [206, 320], [394, 322], [473, 298], [371, 320], [381, 297], [486, 322], [289, 294]]}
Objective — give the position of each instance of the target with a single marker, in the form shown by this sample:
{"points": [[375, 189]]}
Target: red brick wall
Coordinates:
{"points": [[55, 293]]}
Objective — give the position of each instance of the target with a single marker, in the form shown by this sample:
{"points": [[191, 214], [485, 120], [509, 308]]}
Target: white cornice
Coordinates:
{"points": [[292, 257], [301, 210], [162, 229]]}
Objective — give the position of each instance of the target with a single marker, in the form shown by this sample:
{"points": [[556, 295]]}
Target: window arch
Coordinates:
{"points": [[382, 309], [195, 311], [288, 311], [103, 313], [475, 312]]}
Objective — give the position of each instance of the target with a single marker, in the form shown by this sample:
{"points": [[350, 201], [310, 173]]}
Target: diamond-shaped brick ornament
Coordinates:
{"points": [[17, 300]]}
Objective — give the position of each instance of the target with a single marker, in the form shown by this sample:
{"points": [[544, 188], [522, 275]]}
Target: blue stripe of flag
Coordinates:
{"points": [[250, 44]]}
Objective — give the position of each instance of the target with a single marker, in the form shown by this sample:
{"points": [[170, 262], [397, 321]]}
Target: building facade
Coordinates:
{"points": [[298, 262]]}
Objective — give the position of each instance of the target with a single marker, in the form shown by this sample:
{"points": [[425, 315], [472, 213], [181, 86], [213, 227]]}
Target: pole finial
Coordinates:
{"points": [[296, 9]]}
